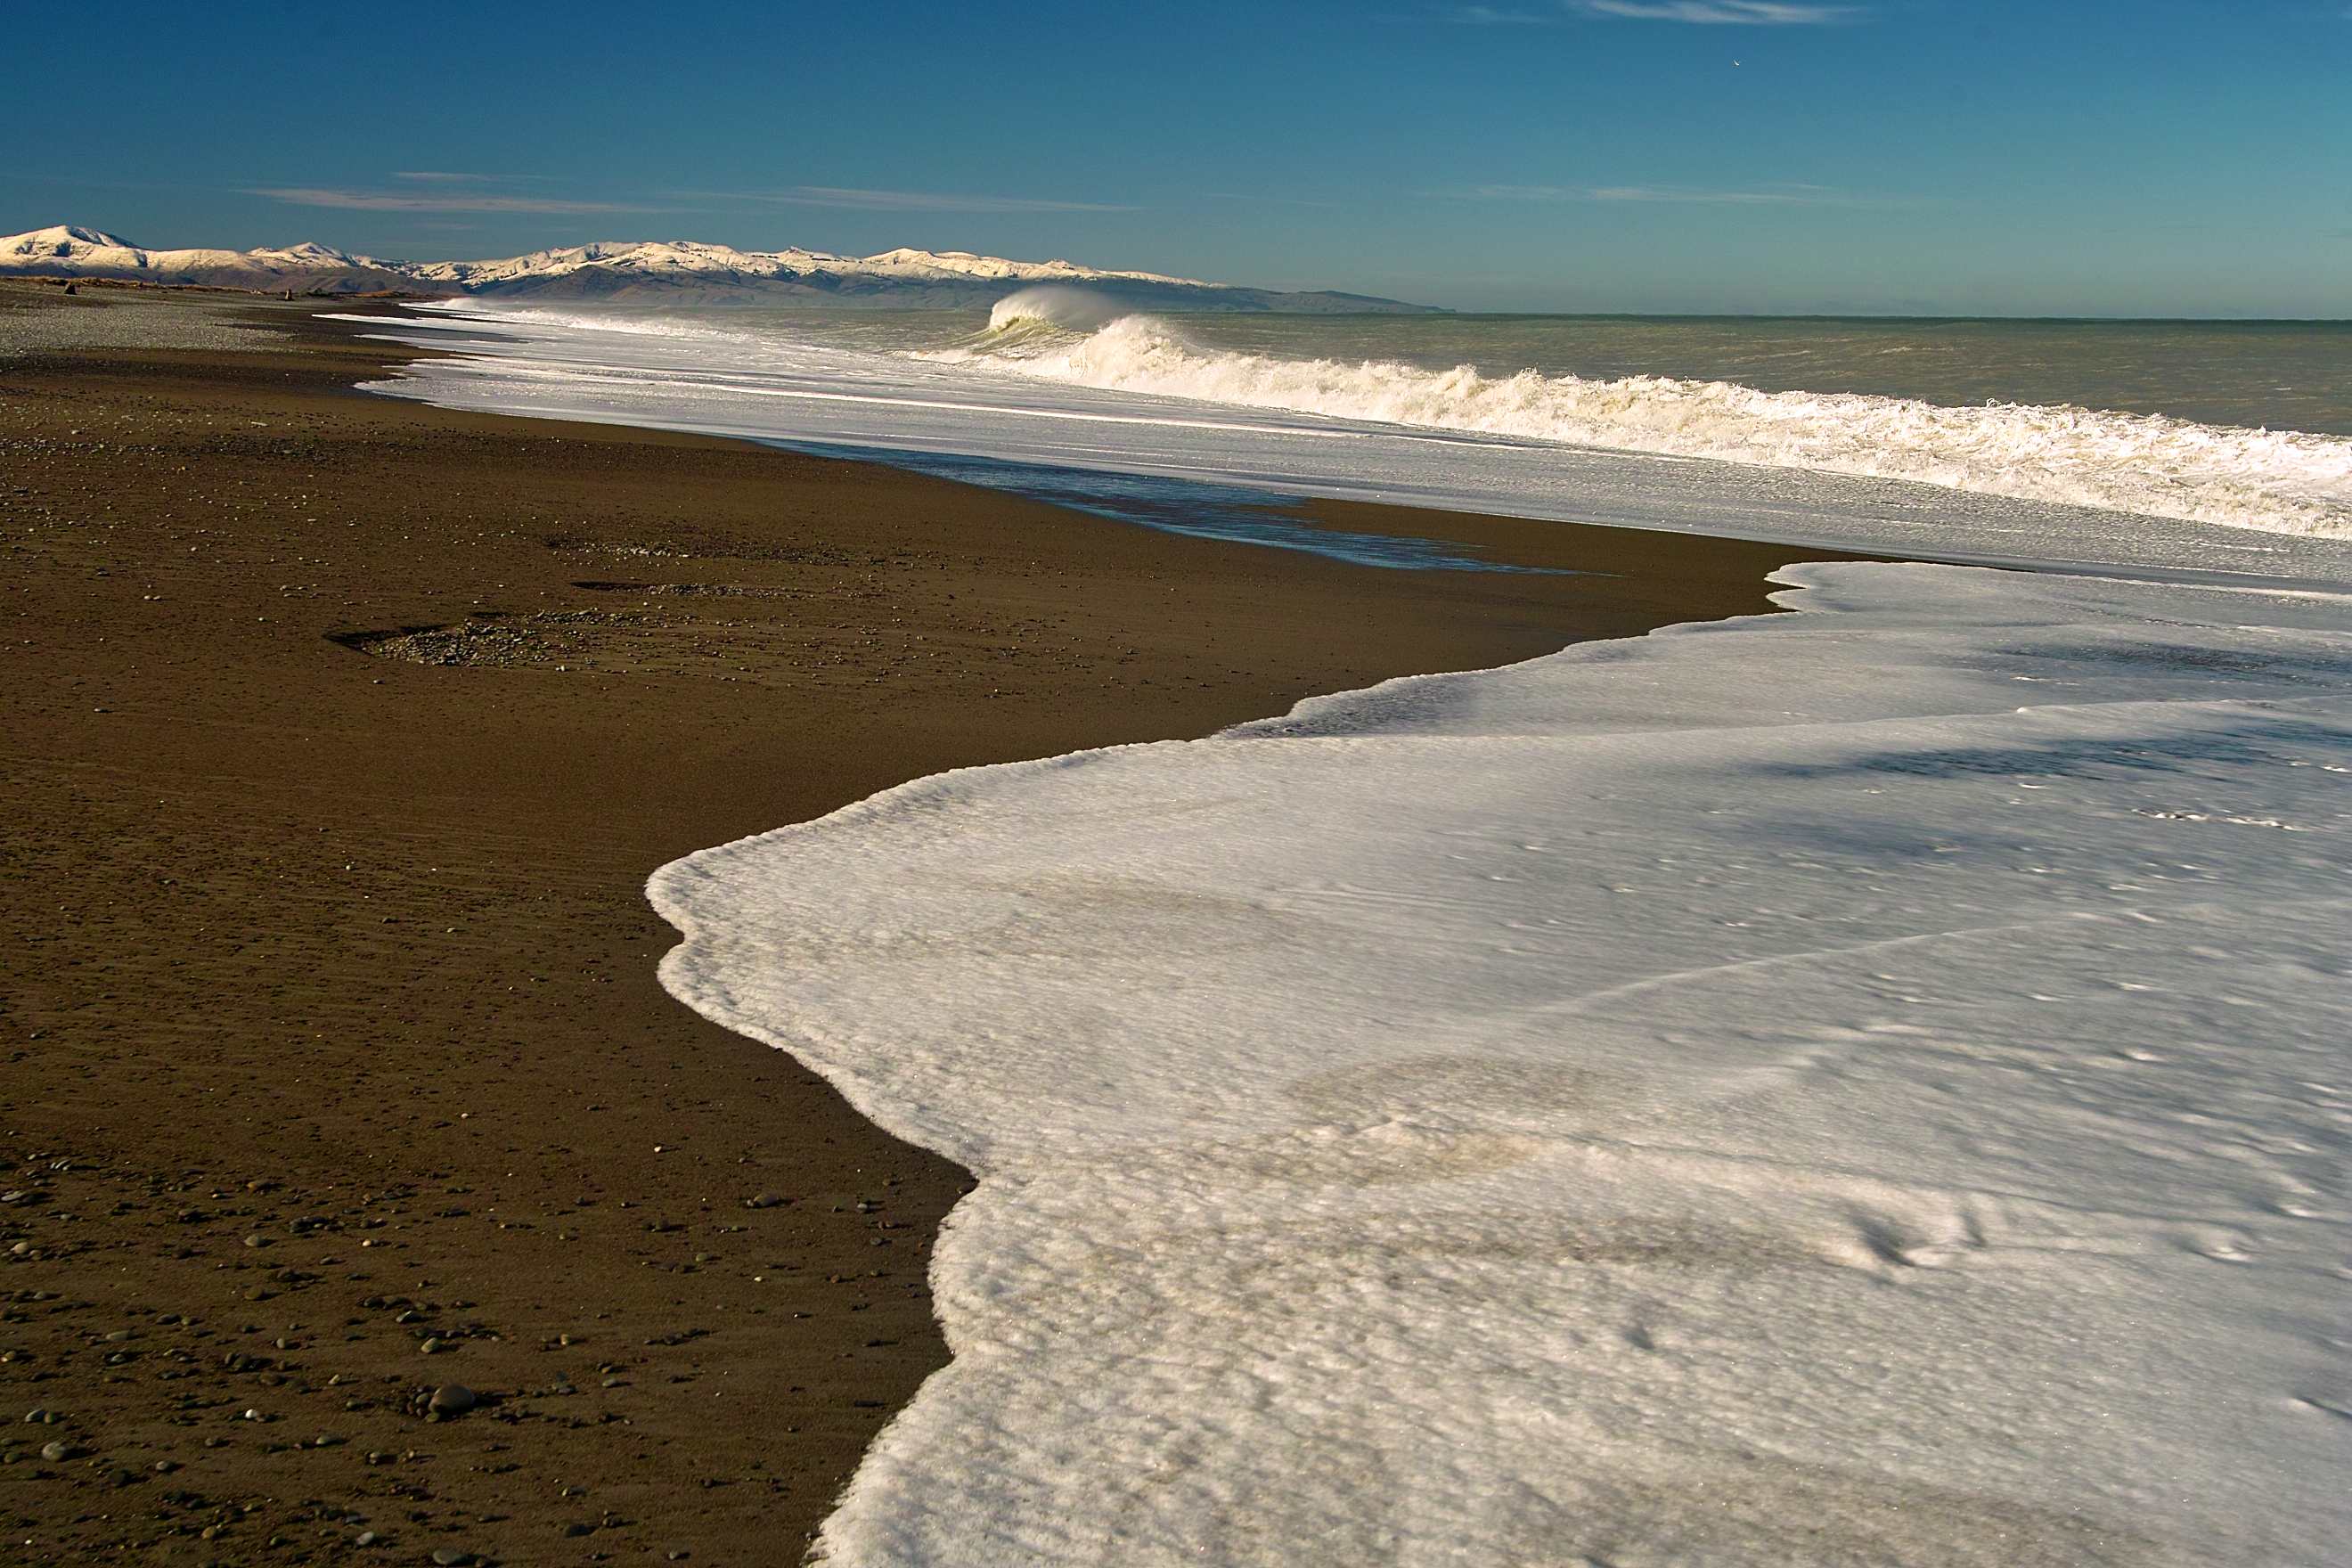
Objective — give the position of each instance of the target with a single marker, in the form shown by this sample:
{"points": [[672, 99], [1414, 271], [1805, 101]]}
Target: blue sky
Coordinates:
{"points": [[2161, 157]]}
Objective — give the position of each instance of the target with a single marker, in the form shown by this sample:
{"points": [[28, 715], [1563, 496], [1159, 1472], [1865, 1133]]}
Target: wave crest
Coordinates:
{"points": [[2278, 482], [1054, 305]]}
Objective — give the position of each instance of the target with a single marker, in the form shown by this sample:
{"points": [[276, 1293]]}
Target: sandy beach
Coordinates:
{"points": [[343, 734]]}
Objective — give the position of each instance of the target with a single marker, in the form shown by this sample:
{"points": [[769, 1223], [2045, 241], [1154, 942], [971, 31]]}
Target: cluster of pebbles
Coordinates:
{"points": [[120, 319], [154, 1410]]}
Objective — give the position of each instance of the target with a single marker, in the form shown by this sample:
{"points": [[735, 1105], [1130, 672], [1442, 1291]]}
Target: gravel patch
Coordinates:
{"points": [[39, 319]]}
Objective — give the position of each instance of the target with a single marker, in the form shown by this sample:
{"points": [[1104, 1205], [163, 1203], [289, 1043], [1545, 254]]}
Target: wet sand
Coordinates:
{"points": [[341, 735]]}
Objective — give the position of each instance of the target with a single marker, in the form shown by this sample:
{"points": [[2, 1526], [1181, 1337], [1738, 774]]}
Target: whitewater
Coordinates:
{"points": [[2285, 481], [1861, 1085], [1059, 383]]}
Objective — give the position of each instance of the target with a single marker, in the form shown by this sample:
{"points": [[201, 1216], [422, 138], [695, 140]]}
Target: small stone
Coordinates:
{"points": [[58, 1452], [452, 1399], [165, 1466], [576, 1529], [450, 1557], [434, 1345], [366, 1538], [765, 1201]]}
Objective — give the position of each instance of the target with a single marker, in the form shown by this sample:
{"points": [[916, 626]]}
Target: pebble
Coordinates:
{"points": [[450, 1557], [57, 1453], [452, 1399], [764, 1201], [366, 1538]]}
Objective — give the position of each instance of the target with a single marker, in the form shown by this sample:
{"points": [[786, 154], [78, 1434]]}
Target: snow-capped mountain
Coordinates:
{"points": [[67, 252], [646, 271], [685, 257]]}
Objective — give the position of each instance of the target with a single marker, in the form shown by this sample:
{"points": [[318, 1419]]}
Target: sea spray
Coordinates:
{"points": [[1987, 483], [2282, 482], [1056, 305]]}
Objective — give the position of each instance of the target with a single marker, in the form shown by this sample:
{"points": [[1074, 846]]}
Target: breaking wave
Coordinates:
{"points": [[1054, 305], [2275, 480]]}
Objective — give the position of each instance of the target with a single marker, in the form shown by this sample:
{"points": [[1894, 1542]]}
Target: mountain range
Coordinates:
{"points": [[648, 272]]}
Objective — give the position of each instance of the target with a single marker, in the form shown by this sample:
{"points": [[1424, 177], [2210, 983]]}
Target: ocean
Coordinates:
{"points": [[1056, 396], [1859, 1084]]}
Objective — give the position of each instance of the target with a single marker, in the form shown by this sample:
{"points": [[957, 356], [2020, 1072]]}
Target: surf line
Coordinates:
{"points": [[657, 384]]}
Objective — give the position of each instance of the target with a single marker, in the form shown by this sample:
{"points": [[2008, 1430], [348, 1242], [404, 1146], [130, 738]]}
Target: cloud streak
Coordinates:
{"points": [[445, 190], [1500, 16], [1718, 13], [1785, 195], [422, 201], [867, 200]]}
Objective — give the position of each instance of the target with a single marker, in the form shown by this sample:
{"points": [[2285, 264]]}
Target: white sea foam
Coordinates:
{"points": [[2282, 481], [1019, 391], [1860, 1086], [1053, 305]]}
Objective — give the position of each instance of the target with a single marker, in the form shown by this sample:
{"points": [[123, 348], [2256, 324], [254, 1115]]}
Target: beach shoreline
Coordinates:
{"points": [[346, 732]]}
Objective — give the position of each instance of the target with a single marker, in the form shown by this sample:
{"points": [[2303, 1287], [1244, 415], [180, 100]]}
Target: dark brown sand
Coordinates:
{"points": [[340, 734]]}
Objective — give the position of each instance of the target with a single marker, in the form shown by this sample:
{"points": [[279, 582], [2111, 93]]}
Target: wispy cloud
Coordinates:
{"points": [[433, 202], [1777, 195], [1723, 13], [445, 191], [446, 177], [909, 201], [1501, 17], [1761, 195]]}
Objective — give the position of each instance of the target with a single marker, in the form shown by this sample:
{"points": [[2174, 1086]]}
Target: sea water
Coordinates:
{"points": [[1860, 1086], [1207, 400]]}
